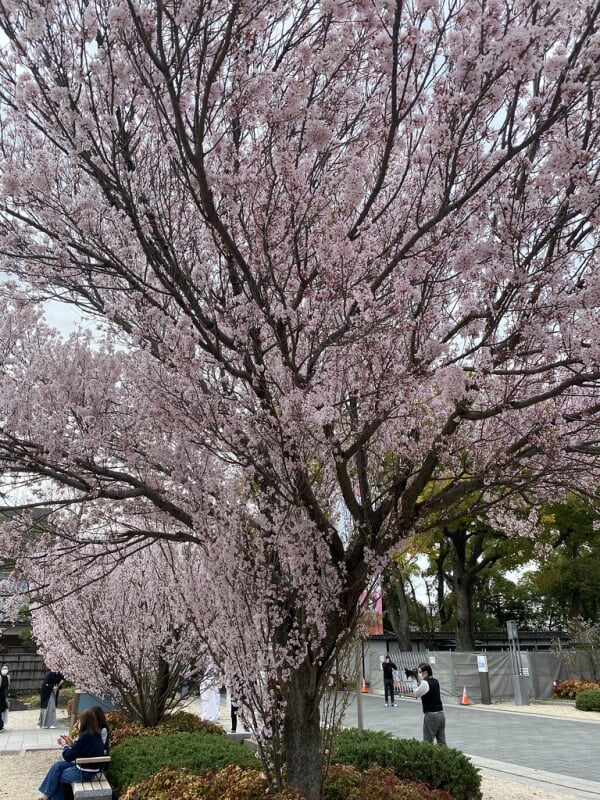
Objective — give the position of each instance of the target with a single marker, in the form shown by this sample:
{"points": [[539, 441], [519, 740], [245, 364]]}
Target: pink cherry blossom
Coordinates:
{"points": [[366, 280]]}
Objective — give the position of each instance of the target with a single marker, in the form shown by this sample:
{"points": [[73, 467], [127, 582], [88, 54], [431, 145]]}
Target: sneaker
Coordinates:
{"points": [[386, 705], [394, 705], [51, 726]]}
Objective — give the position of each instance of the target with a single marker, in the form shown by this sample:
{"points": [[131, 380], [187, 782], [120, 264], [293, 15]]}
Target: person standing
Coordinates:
{"points": [[210, 696], [4, 692], [49, 699], [388, 667], [238, 704], [434, 719], [234, 715]]}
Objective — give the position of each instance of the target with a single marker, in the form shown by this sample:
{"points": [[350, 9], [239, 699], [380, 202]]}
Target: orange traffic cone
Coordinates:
{"points": [[363, 688], [465, 698]]}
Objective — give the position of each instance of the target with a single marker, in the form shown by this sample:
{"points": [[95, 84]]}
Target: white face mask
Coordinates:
{"points": [[5, 672]]}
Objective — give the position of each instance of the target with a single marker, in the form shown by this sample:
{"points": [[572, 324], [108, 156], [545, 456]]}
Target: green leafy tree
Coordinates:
{"points": [[465, 557], [567, 578], [400, 604]]}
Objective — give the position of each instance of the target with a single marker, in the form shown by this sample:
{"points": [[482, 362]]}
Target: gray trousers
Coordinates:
{"points": [[434, 727]]}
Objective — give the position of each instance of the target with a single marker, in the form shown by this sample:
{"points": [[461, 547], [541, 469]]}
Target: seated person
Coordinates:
{"points": [[104, 733], [88, 744]]}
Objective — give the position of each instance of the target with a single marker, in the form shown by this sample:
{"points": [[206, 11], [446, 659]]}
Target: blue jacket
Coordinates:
{"points": [[85, 746]]}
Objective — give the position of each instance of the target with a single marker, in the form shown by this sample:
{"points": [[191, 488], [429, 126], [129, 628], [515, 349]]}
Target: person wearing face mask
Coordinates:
{"points": [[4, 692]]}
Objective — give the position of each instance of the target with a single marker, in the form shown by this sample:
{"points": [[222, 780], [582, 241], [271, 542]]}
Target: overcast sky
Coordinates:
{"points": [[66, 317]]}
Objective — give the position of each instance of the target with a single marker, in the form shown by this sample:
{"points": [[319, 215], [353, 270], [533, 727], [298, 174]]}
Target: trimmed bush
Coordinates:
{"points": [[381, 783], [437, 767], [341, 780], [231, 783], [588, 700], [234, 783], [141, 757], [170, 784], [345, 782], [183, 722], [179, 722], [569, 689]]}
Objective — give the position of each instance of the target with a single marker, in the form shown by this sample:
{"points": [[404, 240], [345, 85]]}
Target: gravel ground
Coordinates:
{"points": [[21, 773]]}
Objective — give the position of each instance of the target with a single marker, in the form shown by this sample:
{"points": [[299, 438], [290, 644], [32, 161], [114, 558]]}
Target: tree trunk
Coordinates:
{"points": [[302, 733], [462, 583], [162, 690], [396, 606], [464, 635], [441, 584]]}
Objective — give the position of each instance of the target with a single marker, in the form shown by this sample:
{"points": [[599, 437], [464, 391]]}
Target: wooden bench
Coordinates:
{"points": [[98, 788]]}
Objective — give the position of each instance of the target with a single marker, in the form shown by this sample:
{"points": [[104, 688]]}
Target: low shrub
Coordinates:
{"points": [[234, 783], [588, 700], [341, 780], [179, 722], [382, 783], [570, 688], [183, 722], [437, 767], [231, 783], [140, 757], [346, 782], [170, 784]]}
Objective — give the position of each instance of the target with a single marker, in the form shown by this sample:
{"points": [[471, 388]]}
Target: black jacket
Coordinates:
{"points": [[388, 668]]}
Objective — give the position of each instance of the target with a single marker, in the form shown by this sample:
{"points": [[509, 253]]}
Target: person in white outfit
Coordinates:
{"points": [[210, 697]]}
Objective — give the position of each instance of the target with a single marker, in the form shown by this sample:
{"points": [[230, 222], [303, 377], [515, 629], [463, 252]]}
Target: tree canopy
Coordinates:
{"points": [[343, 254]]}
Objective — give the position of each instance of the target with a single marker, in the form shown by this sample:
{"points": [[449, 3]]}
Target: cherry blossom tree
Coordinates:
{"points": [[343, 256], [120, 634]]}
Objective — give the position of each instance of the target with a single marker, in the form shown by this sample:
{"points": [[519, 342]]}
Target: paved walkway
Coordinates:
{"points": [[560, 754], [15, 739]]}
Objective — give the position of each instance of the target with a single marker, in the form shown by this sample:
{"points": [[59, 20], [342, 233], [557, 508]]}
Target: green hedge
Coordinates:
{"points": [[437, 767], [141, 757], [588, 700]]}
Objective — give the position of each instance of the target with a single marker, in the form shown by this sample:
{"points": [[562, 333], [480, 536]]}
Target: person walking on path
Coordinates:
{"points": [[49, 699], [388, 668], [434, 719]]}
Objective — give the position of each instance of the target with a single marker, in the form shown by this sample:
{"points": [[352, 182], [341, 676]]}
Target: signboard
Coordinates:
{"points": [[482, 665], [511, 629]]}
